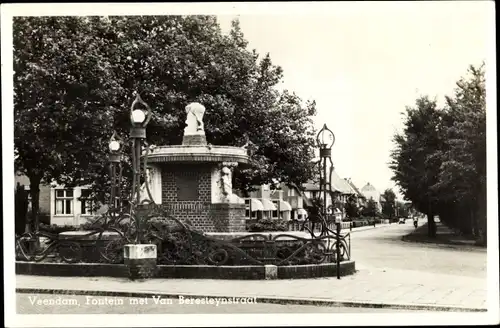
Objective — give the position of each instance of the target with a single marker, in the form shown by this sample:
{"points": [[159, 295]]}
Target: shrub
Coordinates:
{"points": [[268, 225], [44, 218], [55, 229], [359, 223]]}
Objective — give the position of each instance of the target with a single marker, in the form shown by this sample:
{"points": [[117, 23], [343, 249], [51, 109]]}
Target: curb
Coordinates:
{"points": [[260, 299], [379, 226], [452, 245], [410, 238], [248, 272]]}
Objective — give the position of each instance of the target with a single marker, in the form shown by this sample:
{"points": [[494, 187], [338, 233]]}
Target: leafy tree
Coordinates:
{"points": [[414, 160], [440, 158], [462, 176], [59, 114], [371, 208], [351, 208], [75, 78], [389, 205]]}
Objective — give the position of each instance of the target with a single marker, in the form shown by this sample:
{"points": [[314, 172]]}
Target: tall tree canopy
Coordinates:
{"points": [[389, 205], [76, 77], [440, 158], [414, 161]]}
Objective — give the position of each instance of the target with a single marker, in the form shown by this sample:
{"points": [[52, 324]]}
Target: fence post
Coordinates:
{"points": [[350, 255]]}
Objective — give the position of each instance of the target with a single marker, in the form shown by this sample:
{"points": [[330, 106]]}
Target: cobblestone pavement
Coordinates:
{"points": [[390, 272], [78, 304]]}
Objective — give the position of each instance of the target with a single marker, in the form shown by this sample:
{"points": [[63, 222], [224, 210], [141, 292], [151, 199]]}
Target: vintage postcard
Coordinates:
{"points": [[250, 164]]}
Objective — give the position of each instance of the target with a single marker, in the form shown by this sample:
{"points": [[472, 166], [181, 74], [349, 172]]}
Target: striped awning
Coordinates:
{"points": [[268, 205], [256, 205], [284, 206]]}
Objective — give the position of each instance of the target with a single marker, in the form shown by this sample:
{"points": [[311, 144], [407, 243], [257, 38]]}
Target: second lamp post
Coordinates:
{"points": [[139, 119], [325, 140]]}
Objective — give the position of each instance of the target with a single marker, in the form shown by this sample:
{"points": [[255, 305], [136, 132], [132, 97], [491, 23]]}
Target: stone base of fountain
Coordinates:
{"points": [[194, 140], [206, 217]]}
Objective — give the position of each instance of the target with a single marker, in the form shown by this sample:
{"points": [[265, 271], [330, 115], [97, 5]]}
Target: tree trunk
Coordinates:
{"points": [[33, 224], [431, 225], [474, 222], [21, 209], [480, 213], [35, 203]]}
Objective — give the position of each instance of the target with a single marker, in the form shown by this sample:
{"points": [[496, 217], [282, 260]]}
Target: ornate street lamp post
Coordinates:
{"points": [[115, 160], [325, 140], [139, 119]]}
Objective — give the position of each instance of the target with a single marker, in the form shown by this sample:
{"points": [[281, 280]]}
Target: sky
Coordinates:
{"points": [[364, 63]]}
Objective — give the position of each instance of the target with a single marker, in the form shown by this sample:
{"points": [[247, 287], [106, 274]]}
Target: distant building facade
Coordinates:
{"points": [[369, 191], [62, 206]]}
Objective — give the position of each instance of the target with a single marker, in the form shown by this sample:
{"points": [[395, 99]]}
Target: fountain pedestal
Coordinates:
{"points": [[193, 181]]}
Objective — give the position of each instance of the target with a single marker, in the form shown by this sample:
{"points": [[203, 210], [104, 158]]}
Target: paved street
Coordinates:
{"points": [[383, 249], [77, 304], [390, 273]]}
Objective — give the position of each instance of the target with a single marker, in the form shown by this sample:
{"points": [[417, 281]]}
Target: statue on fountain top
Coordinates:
{"points": [[194, 119], [194, 132]]}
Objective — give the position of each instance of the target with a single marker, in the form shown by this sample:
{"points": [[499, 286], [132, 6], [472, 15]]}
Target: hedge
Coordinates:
{"points": [[265, 225]]}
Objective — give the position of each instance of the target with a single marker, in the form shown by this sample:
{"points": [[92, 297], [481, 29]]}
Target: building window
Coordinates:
{"points": [[291, 192], [124, 204], [64, 201], [275, 214], [249, 214], [86, 202], [247, 208]]}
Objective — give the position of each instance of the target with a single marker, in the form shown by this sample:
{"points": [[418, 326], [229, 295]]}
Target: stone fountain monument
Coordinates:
{"points": [[193, 181]]}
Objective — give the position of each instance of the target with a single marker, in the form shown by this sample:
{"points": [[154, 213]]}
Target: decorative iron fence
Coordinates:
{"points": [[179, 243], [174, 208], [297, 225]]}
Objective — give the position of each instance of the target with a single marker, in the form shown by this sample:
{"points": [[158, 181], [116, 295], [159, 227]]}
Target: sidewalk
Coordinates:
{"points": [[405, 289], [444, 237], [377, 226]]}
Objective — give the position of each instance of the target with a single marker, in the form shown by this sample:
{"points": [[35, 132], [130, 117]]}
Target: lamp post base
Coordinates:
{"points": [[338, 249], [140, 260]]}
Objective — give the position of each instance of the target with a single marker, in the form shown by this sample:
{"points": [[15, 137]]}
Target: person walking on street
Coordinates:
{"points": [[415, 222]]}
